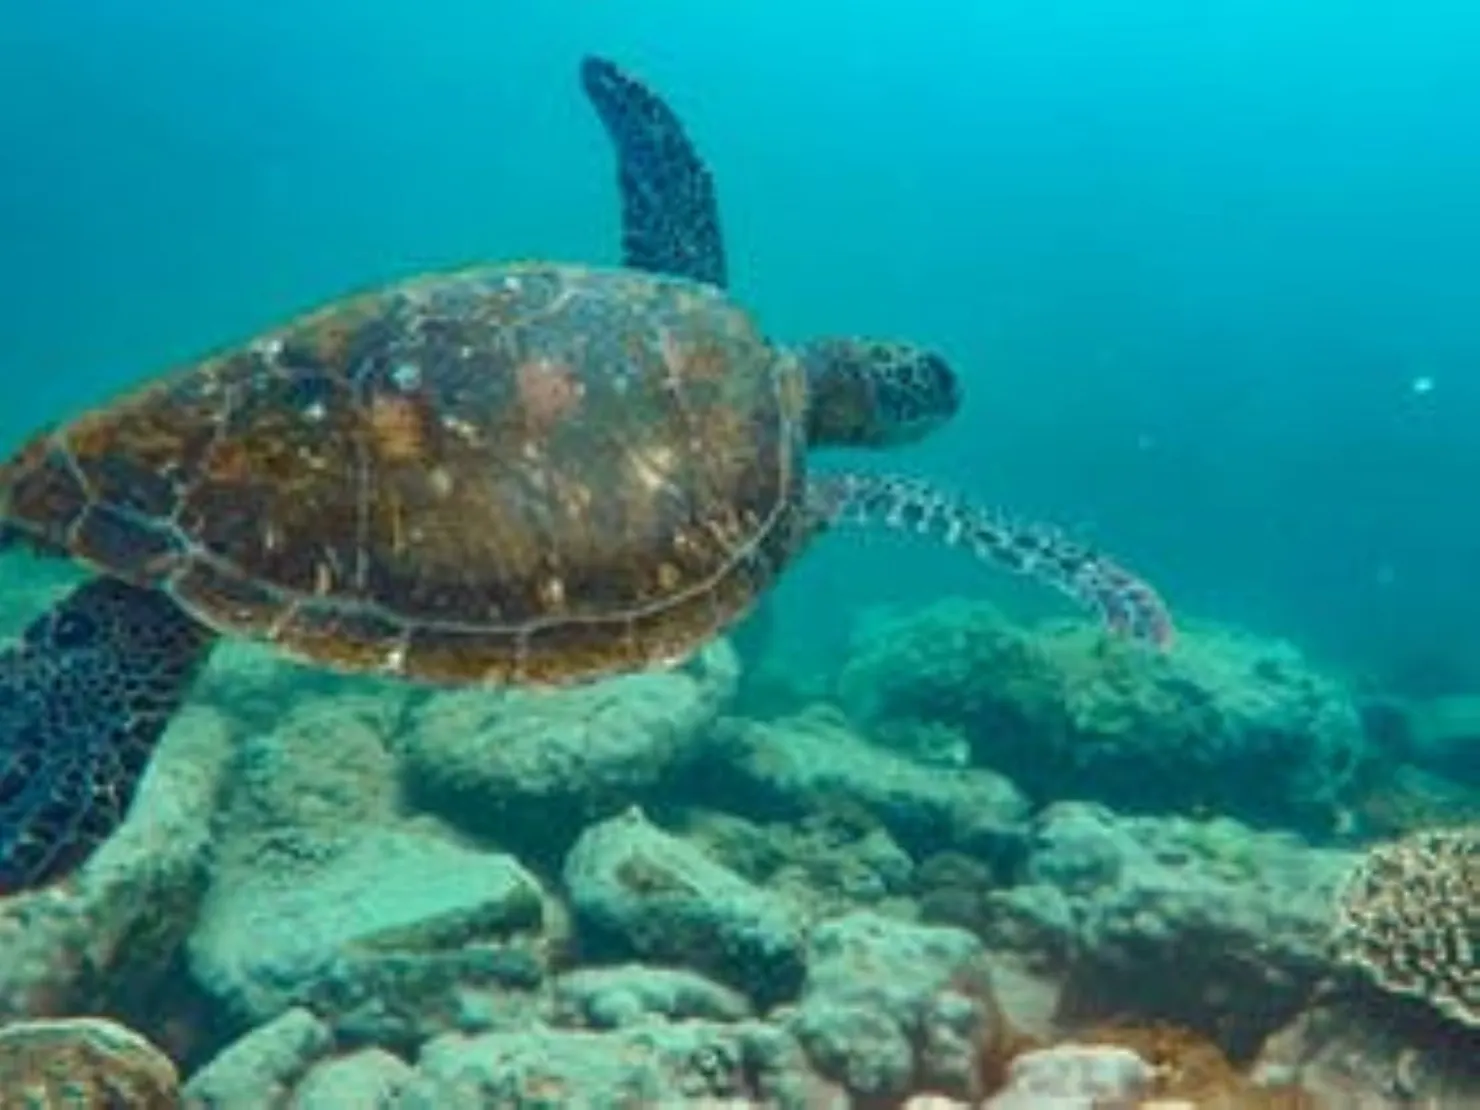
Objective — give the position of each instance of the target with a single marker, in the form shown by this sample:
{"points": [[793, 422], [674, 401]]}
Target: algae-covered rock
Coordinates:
{"points": [[382, 941], [1196, 922], [827, 863], [262, 1068], [257, 685], [1223, 720], [638, 891], [1402, 799], [688, 1064], [889, 1007], [815, 763], [83, 1062], [370, 1079], [1359, 1049], [325, 767], [1443, 734], [531, 767], [634, 994]]}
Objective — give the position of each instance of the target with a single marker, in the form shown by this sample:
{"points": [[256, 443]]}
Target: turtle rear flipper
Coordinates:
{"points": [[85, 695], [670, 215], [1128, 605]]}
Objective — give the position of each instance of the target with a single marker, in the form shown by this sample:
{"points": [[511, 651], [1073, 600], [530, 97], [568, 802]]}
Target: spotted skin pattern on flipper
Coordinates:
{"points": [[85, 695], [670, 215], [1129, 606]]}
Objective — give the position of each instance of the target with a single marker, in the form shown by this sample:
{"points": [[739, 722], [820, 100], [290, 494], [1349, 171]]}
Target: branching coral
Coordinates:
{"points": [[1409, 918]]}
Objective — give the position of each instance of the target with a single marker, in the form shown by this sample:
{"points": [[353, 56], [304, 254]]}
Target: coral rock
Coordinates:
{"points": [[639, 891], [531, 767], [888, 1004], [386, 933], [688, 1064], [814, 761], [371, 1079], [829, 864], [632, 994], [1225, 721], [83, 1062], [1200, 923], [1363, 1049], [262, 1068]]}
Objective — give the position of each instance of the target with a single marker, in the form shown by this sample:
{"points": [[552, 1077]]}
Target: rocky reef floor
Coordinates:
{"points": [[983, 865]]}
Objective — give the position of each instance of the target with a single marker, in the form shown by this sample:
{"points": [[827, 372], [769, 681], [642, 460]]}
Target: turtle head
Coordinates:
{"points": [[875, 393]]}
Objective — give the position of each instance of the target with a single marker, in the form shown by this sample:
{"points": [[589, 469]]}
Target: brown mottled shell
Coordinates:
{"points": [[525, 473]]}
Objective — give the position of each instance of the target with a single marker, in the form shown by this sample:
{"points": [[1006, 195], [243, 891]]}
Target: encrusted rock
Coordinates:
{"points": [[531, 767], [815, 762], [637, 891], [262, 1068], [1227, 721], [382, 940], [324, 768], [1181, 920], [371, 1079], [889, 1005], [1401, 799], [631, 994], [688, 1064], [828, 863], [83, 1062], [1366, 1049]]}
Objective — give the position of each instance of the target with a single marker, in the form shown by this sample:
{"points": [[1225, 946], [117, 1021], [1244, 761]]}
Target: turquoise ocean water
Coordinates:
{"points": [[1208, 271]]}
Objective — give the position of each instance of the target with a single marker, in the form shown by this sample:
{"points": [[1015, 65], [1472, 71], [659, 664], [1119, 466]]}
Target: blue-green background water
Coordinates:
{"points": [[1191, 257]]}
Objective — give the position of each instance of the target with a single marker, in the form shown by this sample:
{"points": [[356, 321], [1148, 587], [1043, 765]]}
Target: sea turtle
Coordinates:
{"points": [[529, 473], [868, 392]]}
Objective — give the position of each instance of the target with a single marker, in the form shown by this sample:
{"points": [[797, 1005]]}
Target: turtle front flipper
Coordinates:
{"points": [[1129, 605], [875, 393], [85, 695], [670, 215]]}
